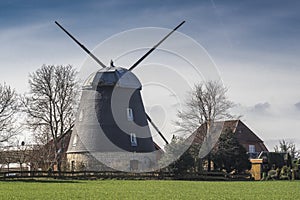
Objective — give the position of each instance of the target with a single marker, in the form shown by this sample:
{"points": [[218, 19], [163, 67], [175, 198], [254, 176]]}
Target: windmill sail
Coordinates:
{"points": [[156, 128], [81, 45], [154, 47]]}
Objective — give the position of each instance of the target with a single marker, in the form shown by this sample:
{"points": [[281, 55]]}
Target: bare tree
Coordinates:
{"points": [[50, 104], [8, 110], [206, 104], [287, 147]]}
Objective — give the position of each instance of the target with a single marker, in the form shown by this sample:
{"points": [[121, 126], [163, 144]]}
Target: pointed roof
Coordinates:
{"points": [[242, 132]]}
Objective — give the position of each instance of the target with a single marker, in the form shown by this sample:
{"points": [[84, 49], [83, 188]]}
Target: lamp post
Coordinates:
{"points": [[22, 155]]}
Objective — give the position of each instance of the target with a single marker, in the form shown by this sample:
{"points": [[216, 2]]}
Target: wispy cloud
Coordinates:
{"points": [[297, 105], [261, 107], [258, 109]]}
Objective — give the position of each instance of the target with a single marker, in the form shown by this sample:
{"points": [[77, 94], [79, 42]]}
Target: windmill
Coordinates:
{"points": [[112, 126]]}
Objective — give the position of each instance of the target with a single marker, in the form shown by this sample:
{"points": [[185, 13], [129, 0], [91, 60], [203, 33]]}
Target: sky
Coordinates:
{"points": [[254, 45]]}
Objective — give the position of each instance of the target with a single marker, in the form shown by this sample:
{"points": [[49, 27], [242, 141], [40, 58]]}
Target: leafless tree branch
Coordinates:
{"points": [[206, 103], [51, 102], [8, 109]]}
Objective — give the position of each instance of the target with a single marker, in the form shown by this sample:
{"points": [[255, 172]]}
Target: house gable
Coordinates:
{"points": [[245, 136], [248, 138]]}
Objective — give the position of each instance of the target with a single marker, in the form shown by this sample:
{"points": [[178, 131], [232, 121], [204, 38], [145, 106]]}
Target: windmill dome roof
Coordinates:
{"points": [[111, 76]]}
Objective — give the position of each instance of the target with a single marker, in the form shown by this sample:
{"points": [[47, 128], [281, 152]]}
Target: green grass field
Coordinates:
{"points": [[125, 189]]}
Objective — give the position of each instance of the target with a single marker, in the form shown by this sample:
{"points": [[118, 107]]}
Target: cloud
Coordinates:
{"points": [[297, 105], [259, 110], [261, 107], [271, 121]]}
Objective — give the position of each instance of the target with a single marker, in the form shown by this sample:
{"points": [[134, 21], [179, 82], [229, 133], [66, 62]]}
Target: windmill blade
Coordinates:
{"points": [[154, 47], [155, 127], [81, 45]]}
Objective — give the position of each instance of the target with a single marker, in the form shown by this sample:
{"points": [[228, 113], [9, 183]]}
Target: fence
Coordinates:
{"points": [[220, 176]]}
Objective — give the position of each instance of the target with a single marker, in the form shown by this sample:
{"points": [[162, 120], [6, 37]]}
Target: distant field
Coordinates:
{"points": [[124, 189]]}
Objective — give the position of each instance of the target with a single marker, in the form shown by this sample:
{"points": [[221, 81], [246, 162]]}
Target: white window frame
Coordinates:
{"points": [[252, 148], [133, 140], [130, 114], [75, 140], [80, 117]]}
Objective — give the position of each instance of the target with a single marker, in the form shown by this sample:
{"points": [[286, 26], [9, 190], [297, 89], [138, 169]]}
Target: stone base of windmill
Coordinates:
{"points": [[112, 161]]}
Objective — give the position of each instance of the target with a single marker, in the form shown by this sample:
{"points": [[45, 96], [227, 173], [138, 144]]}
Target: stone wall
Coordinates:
{"points": [[120, 161]]}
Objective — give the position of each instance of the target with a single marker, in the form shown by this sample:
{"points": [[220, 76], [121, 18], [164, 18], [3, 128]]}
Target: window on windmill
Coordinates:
{"points": [[74, 141], [80, 117], [133, 140], [251, 148], [129, 114]]}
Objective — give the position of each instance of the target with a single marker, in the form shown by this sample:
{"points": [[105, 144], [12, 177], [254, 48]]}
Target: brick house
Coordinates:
{"points": [[245, 136]]}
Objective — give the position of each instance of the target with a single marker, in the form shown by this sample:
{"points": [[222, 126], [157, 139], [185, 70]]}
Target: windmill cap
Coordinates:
{"points": [[112, 76]]}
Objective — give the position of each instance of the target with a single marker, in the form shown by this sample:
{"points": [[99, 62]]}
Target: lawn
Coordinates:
{"points": [[125, 189]]}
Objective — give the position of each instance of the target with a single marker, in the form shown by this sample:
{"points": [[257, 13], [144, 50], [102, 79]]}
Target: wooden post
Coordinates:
{"points": [[256, 168]]}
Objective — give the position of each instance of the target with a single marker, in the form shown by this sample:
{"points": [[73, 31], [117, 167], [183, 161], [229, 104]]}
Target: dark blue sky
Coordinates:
{"points": [[279, 18], [264, 25], [255, 44]]}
